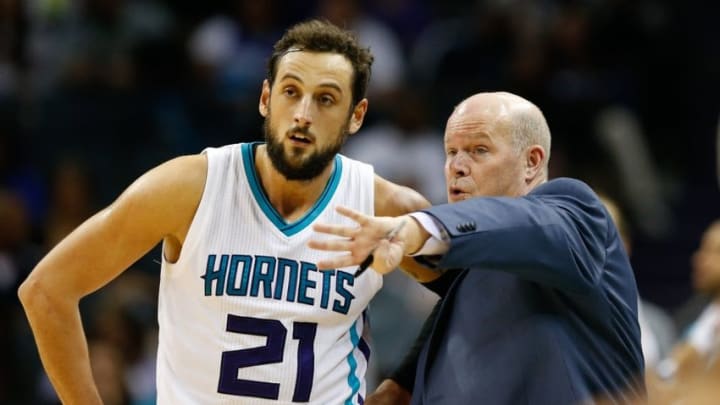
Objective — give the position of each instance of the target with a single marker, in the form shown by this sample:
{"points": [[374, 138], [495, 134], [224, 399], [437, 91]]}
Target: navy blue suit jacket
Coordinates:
{"points": [[543, 309]]}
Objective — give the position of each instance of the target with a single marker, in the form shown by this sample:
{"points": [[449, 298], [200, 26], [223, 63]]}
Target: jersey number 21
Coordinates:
{"points": [[272, 352]]}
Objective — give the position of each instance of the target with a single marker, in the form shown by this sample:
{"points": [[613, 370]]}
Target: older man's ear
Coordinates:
{"points": [[535, 163]]}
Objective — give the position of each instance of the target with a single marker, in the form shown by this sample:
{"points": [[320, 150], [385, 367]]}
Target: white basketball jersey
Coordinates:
{"points": [[245, 315]]}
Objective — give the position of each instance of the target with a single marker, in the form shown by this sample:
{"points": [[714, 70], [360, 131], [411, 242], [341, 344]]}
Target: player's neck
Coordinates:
{"points": [[290, 198]]}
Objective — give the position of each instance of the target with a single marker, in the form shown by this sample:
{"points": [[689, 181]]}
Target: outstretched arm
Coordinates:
{"points": [[556, 236], [94, 254]]}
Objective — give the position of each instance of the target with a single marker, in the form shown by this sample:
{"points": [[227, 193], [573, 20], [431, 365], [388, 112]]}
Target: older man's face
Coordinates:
{"points": [[480, 157]]}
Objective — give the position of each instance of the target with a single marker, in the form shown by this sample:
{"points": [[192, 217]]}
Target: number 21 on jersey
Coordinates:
{"points": [[272, 352]]}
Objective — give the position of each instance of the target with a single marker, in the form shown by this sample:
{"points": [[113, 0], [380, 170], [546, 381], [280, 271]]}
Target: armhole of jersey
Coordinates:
{"points": [[362, 169], [371, 192], [190, 240]]}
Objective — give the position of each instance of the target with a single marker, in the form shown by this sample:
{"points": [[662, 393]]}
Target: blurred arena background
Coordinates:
{"points": [[95, 92]]}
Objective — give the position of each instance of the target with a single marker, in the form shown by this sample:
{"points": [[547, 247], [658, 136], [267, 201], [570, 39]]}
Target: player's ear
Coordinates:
{"points": [[358, 115], [264, 105]]}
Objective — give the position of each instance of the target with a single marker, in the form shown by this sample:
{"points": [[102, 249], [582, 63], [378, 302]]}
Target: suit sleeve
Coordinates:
{"points": [[555, 235]]}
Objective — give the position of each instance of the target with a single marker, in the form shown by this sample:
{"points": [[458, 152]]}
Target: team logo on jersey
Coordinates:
{"points": [[278, 278]]}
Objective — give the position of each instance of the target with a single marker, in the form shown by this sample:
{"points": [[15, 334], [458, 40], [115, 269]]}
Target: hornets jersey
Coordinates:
{"points": [[245, 315]]}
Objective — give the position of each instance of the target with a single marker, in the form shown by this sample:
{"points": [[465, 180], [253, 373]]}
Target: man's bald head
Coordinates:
{"points": [[496, 144], [519, 118]]}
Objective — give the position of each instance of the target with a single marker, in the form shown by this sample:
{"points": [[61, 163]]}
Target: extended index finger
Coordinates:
{"points": [[356, 216], [337, 230]]}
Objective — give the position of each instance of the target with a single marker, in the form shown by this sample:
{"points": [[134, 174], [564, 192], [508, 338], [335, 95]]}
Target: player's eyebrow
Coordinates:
{"points": [[291, 76], [297, 78]]}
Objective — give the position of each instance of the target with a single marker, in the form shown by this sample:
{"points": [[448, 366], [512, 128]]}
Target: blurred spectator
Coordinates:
{"points": [[697, 352]]}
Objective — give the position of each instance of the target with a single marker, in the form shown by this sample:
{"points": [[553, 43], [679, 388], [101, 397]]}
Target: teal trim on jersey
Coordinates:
{"points": [[289, 229], [353, 381]]}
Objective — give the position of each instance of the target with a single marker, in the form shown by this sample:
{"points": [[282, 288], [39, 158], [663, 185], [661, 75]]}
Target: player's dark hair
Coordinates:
{"points": [[323, 36]]}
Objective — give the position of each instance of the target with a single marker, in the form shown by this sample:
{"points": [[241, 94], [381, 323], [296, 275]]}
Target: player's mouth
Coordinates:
{"points": [[300, 139]]}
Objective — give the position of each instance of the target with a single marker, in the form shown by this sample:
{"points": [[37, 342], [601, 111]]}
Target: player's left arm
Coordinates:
{"points": [[392, 200]]}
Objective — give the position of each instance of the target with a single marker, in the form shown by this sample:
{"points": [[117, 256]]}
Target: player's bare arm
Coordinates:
{"points": [[159, 205], [394, 200]]}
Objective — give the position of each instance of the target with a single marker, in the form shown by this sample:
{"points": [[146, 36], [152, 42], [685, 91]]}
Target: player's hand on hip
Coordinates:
{"points": [[383, 237]]}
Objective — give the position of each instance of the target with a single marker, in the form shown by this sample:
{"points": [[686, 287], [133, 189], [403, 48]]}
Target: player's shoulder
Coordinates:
{"points": [[177, 181], [354, 172], [185, 170], [236, 150], [349, 163], [165, 197]]}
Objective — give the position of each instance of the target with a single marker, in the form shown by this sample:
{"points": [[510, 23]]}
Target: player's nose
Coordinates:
{"points": [[303, 112]]}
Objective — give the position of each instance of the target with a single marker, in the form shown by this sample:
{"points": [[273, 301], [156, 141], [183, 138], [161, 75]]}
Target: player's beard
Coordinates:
{"points": [[308, 167]]}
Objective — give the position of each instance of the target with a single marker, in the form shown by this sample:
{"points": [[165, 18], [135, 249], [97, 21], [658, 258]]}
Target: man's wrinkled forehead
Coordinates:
{"points": [[329, 65], [477, 120]]}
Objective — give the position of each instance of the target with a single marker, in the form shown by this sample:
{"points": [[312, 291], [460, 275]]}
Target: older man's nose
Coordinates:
{"points": [[459, 166]]}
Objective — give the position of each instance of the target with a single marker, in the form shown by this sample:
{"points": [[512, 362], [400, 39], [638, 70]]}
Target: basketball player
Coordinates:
{"points": [[245, 316]]}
